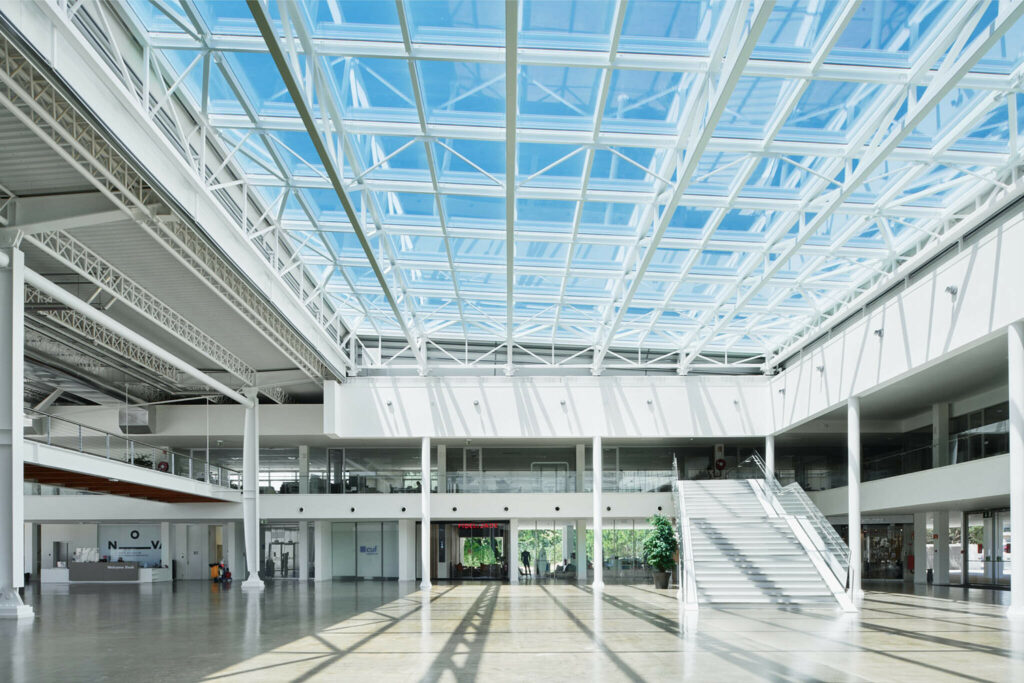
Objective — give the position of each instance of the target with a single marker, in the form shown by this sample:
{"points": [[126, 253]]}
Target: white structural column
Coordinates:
{"points": [[1015, 343], [12, 487], [234, 541], [407, 550], [251, 491], [920, 548], [940, 435], [598, 513], [940, 527], [769, 455], [425, 511], [513, 551], [853, 486], [304, 470], [165, 544], [323, 563], [442, 469], [581, 551], [303, 550]]}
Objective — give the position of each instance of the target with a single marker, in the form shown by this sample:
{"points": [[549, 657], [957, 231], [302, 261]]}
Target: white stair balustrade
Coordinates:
{"points": [[746, 549]]}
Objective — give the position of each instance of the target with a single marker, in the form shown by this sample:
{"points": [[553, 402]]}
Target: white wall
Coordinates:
{"points": [[546, 407], [978, 483], [75, 535], [921, 324]]}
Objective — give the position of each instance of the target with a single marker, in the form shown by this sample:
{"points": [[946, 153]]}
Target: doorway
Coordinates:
{"points": [[468, 551], [987, 551]]}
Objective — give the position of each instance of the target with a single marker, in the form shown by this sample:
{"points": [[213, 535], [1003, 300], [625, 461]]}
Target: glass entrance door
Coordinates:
{"points": [[987, 550], [478, 550]]}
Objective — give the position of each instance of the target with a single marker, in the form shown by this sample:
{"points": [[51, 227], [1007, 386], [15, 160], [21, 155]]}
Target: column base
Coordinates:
{"points": [[11, 606], [1015, 612], [597, 585], [425, 585], [253, 583]]}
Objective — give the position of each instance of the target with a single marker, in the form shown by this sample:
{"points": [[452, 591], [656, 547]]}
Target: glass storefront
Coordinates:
{"points": [[364, 551]]}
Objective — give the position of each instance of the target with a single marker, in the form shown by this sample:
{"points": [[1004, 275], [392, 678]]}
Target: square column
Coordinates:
{"points": [[12, 478], [940, 435], [165, 544], [322, 551], [920, 548], [581, 466], [425, 510], [769, 455], [407, 550], [1015, 357], [251, 491], [853, 500], [233, 544], [303, 550], [940, 525], [513, 551], [581, 551], [442, 469], [303, 469], [598, 514]]}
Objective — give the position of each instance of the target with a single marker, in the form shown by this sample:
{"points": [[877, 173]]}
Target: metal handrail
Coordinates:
{"points": [[225, 475], [794, 501], [687, 577]]}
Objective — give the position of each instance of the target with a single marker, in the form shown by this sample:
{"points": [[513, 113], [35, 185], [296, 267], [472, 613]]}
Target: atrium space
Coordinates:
{"points": [[501, 339]]}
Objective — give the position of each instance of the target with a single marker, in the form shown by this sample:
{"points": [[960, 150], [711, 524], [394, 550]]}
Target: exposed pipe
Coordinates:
{"points": [[74, 303]]}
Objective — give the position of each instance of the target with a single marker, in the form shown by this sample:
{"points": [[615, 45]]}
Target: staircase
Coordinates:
{"points": [[745, 550]]}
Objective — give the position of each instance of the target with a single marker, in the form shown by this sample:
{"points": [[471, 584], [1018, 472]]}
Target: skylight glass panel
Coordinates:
{"points": [[644, 207]]}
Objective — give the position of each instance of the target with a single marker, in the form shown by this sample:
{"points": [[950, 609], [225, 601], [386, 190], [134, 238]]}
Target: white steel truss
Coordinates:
{"points": [[702, 184]]}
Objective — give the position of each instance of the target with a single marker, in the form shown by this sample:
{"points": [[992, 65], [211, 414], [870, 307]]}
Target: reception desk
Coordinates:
{"points": [[105, 572]]}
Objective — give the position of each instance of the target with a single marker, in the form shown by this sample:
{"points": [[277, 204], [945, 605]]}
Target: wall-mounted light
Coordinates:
{"points": [[952, 290], [388, 403], [562, 402], [782, 391], [879, 332], [351, 509], [820, 369], [403, 508], [476, 401], [650, 402]]}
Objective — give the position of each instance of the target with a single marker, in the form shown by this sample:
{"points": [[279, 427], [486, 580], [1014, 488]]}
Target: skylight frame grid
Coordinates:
{"points": [[576, 187]]}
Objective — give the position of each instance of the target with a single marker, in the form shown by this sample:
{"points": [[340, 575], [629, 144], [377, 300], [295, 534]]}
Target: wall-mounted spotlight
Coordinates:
{"points": [[820, 369], [879, 332], [609, 508], [952, 290], [476, 401], [562, 402], [782, 391], [650, 402], [403, 508], [557, 508], [388, 403], [351, 509]]}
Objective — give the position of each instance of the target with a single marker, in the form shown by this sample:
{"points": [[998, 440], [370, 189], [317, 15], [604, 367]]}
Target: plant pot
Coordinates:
{"points": [[661, 579]]}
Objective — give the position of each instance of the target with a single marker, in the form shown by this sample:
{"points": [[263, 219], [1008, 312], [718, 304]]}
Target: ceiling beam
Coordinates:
{"points": [[511, 109], [261, 15]]}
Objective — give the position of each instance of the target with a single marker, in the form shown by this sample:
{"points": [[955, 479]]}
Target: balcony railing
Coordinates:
{"points": [[64, 433]]}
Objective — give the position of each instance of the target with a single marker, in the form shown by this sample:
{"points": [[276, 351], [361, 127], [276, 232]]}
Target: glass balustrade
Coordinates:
{"points": [[64, 433]]}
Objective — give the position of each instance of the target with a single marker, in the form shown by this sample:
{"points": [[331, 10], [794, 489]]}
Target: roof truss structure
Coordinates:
{"points": [[699, 182]]}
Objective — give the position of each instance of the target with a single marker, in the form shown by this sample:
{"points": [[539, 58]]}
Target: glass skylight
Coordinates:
{"points": [[699, 177]]}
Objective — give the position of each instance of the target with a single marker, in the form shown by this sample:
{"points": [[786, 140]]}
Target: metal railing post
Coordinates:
{"points": [[108, 446], [81, 443]]}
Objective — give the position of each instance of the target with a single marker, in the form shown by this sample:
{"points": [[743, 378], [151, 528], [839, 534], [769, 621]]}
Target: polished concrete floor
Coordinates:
{"points": [[491, 632]]}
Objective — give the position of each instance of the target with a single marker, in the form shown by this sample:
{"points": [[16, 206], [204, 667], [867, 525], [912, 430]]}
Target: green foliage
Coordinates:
{"points": [[660, 544], [479, 551]]}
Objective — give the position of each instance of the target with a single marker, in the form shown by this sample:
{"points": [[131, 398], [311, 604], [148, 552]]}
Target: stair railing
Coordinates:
{"points": [[794, 501], [687, 578]]}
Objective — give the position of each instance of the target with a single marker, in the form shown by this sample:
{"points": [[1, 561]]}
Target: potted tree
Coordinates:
{"points": [[660, 547]]}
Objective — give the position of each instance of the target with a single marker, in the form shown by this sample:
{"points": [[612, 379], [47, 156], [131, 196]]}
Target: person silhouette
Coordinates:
{"points": [[525, 557]]}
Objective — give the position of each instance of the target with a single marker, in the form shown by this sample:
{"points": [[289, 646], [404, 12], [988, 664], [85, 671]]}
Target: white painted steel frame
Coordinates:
{"points": [[738, 320]]}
